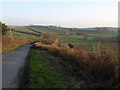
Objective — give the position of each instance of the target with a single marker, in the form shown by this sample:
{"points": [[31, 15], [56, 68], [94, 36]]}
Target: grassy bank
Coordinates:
{"points": [[43, 73], [8, 44], [97, 68], [14, 40]]}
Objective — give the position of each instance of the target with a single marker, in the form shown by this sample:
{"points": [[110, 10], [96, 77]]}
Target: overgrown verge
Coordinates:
{"points": [[97, 68]]}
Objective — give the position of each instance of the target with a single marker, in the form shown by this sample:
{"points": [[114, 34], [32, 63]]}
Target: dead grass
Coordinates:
{"points": [[97, 67], [9, 44]]}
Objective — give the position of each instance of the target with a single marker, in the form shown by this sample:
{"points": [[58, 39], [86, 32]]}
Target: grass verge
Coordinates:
{"points": [[42, 72]]}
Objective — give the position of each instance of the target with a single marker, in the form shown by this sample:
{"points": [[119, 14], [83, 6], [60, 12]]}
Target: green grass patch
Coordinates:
{"points": [[21, 35], [77, 40], [104, 34], [42, 73], [21, 28], [26, 36], [54, 30]]}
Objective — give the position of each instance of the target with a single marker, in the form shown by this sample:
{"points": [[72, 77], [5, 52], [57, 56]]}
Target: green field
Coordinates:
{"points": [[76, 39], [104, 34], [54, 30], [21, 28], [21, 35], [60, 30], [26, 36]]}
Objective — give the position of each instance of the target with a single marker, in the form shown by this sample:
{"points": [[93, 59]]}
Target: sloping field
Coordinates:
{"points": [[55, 30], [14, 40], [90, 38], [21, 28]]}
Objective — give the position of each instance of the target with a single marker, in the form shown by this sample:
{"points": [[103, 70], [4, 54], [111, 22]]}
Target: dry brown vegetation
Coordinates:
{"points": [[99, 67], [48, 38], [9, 44]]}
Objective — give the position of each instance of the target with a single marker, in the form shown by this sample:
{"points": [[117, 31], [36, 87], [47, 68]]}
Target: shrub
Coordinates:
{"points": [[49, 38], [96, 66]]}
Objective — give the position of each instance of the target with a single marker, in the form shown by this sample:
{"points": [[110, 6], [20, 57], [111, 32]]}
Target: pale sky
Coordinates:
{"points": [[72, 13]]}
